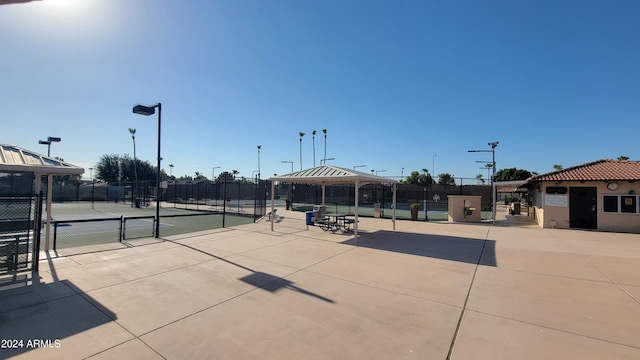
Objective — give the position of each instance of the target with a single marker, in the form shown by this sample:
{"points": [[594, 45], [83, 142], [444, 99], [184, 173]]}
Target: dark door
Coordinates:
{"points": [[583, 207]]}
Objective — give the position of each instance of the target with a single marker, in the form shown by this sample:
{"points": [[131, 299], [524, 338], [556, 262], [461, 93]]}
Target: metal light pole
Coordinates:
{"points": [[213, 173], [146, 111], [48, 142], [377, 171], [493, 177], [433, 165], [357, 166]]}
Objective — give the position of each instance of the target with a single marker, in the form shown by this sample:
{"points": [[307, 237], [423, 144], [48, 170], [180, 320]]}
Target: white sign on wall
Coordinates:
{"points": [[555, 200]]}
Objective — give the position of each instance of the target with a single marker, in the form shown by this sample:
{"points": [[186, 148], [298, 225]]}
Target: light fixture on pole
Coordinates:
{"points": [[325, 160], [146, 111], [493, 177], [357, 166], [290, 162], [48, 142], [213, 173], [377, 171]]}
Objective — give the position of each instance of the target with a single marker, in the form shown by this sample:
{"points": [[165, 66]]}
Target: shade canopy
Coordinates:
{"points": [[17, 159], [327, 174]]}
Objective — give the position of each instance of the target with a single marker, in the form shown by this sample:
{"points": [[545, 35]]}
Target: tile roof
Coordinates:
{"points": [[600, 170]]}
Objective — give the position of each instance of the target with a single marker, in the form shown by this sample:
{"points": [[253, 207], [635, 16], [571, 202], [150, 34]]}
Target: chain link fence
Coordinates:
{"points": [[377, 200], [20, 223]]}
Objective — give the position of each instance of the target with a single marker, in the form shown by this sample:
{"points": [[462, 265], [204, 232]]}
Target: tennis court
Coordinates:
{"points": [[77, 224]]}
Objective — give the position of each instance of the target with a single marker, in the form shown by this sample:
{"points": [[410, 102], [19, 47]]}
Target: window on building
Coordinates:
{"points": [[620, 204], [628, 204]]}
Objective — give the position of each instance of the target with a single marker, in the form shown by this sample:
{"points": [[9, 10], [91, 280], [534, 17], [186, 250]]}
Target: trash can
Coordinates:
{"points": [[515, 208], [309, 217], [138, 203]]}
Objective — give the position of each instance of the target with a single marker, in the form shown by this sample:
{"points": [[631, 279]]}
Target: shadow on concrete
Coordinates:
{"points": [[257, 279], [444, 247], [36, 315], [260, 279]]}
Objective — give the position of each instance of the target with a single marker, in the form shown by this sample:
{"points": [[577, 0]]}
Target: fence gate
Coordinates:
{"points": [[20, 224]]}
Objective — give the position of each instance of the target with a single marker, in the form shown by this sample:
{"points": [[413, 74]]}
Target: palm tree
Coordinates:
{"points": [[170, 169], [235, 172], [325, 143], [135, 169], [314, 147], [558, 167], [623, 158], [301, 135], [489, 167], [259, 147], [479, 177]]}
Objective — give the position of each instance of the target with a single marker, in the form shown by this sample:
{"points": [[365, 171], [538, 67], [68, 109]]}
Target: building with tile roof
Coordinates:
{"points": [[601, 195]]}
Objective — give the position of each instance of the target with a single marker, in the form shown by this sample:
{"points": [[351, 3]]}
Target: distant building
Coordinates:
{"points": [[601, 195]]}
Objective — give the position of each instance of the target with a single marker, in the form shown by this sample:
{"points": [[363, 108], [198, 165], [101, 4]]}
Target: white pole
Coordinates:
{"points": [[355, 225], [273, 199], [49, 195], [394, 206]]}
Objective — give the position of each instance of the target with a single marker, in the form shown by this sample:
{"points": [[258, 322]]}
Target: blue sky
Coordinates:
{"points": [[393, 82]]}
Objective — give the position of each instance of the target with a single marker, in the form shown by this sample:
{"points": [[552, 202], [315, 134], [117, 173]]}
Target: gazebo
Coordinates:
{"points": [[14, 159], [327, 174]]}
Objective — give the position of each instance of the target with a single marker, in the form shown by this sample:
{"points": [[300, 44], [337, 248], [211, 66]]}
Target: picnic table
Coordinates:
{"points": [[335, 222]]}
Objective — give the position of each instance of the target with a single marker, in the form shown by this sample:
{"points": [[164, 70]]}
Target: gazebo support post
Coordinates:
{"points": [[273, 199], [323, 185], [394, 206], [355, 224], [49, 195]]}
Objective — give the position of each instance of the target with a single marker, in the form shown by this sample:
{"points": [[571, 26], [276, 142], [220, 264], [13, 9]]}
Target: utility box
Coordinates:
{"points": [[376, 210], [465, 208]]}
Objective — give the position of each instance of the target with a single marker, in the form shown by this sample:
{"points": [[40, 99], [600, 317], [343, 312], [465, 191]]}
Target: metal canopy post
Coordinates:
{"points": [[394, 206], [355, 225], [273, 199]]}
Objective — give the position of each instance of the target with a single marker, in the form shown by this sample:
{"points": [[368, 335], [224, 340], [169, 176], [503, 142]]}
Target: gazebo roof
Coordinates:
{"points": [[327, 174], [16, 159]]}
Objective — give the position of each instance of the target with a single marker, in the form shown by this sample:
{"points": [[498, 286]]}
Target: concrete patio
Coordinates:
{"points": [[423, 291]]}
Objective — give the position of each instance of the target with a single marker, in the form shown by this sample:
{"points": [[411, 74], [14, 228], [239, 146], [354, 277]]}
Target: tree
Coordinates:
{"points": [[416, 178], [301, 135], [235, 172], [314, 147], [199, 176], [107, 168], [446, 179], [325, 143], [512, 174], [114, 168], [259, 147], [226, 175], [480, 178], [558, 167], [623, 158]]}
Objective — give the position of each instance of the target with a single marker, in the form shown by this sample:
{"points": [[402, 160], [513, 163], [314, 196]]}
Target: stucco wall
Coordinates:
{"points": [[620, 222], [457, 209]]}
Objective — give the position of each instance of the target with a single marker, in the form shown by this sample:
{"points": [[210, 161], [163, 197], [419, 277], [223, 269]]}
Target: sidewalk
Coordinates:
{"points": [[423, 291]]}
